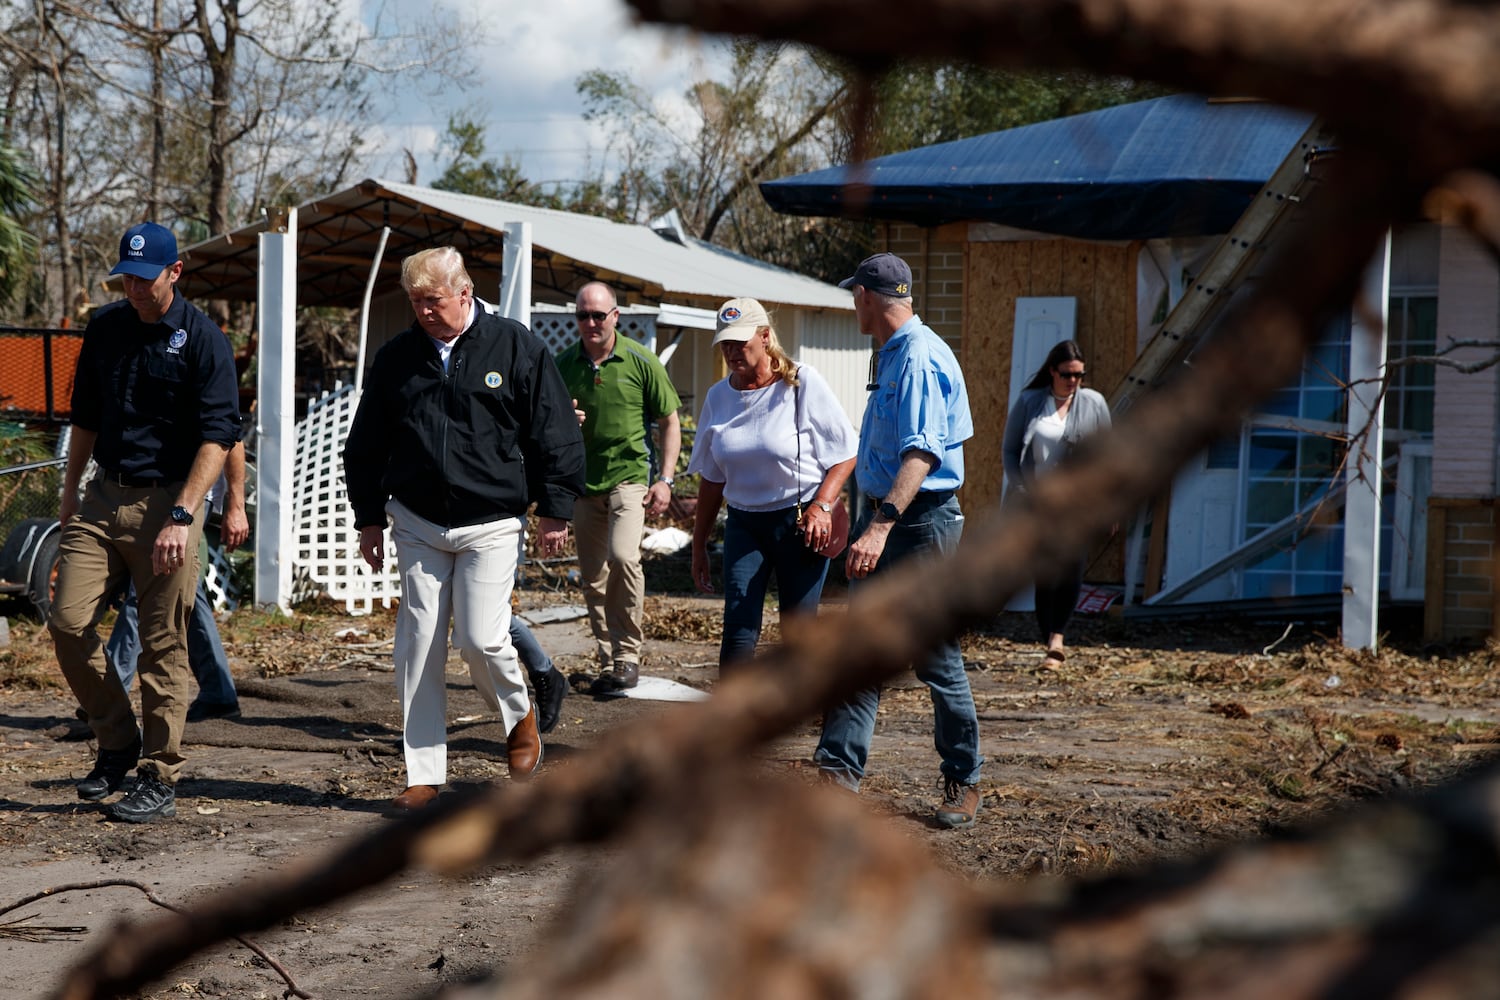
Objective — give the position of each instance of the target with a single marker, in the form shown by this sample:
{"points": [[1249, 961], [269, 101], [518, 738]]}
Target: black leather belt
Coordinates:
{"points": [[925, 500], [131, 482]]}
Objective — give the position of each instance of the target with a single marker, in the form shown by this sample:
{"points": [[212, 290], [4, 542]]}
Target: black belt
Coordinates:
{"points": [[132, 482], [925, 500]]}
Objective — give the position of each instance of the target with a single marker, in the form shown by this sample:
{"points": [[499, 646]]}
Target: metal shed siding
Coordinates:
{"points": [[1463, 458], [831, 343]]}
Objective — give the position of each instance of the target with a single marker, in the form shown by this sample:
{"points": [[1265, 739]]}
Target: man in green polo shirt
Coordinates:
{"points": [[619, 388]]}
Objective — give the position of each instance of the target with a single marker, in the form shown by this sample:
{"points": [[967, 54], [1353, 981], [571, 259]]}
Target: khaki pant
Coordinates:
{"points": [[111, 538], [607, 529]]}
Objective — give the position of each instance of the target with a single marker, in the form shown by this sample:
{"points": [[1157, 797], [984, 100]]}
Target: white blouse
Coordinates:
{"points": [[748, 440], [1047, 439]]}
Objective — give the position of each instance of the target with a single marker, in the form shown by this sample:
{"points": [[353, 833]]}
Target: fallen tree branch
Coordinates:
{"points": [[292, 989], [21, 929], [1414, 76]]}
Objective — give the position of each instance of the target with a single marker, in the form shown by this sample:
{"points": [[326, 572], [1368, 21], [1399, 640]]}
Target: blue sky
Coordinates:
{"points": [[530, 54]]}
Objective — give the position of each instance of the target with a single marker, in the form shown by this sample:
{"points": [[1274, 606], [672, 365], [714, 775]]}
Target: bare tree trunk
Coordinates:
{"points": [[158, 115], [221, 66], [57, 151]]}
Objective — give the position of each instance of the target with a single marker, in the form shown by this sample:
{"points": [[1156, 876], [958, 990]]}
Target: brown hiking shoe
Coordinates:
{"points": [[960, 805], [624, 674]]}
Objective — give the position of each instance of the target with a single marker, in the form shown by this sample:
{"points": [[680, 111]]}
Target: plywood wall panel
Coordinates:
{"points": [[1046, 267], [1115, 312], [1078, 281], [996, 274]]}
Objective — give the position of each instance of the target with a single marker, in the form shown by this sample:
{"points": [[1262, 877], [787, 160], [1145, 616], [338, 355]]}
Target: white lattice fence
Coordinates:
{"points": [[327, 557], [217, 580], [559, 330]]}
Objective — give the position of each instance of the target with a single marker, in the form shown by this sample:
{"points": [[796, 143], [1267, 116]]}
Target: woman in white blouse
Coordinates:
{"points": [[773, 443], [1051, 415]]}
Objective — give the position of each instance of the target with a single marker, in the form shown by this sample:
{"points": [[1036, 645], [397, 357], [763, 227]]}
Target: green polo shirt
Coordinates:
{"points": [[622, 397]]}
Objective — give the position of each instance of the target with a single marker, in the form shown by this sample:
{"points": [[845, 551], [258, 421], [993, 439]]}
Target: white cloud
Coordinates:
{"points": [[529, 58]]}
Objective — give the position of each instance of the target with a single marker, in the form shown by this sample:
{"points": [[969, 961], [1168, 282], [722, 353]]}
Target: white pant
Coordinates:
{"points": [[467, 573]]}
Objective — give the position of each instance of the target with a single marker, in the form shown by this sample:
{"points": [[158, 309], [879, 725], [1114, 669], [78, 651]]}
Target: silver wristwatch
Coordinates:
{"points": [[826, 508]]}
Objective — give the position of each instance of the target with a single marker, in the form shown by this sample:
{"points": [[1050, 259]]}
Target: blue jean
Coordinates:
{"points": [[757, 544], [205, 650], [848, 727], [533, 657]]}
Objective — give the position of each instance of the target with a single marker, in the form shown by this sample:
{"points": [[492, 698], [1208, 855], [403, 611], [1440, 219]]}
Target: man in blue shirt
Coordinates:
{"points": [[911, 460], [155, 405]]}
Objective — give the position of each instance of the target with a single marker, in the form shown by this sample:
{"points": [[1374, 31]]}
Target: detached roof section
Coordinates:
{"points": [[337, 236], [1173, 166]]}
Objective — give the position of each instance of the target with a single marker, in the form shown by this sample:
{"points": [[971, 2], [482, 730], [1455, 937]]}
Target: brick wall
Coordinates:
{"points": [[1461, 569], [936, 257]]}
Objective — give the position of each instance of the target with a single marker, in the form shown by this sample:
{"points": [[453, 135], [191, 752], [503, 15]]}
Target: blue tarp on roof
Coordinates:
{"points": [[1173, 166]]}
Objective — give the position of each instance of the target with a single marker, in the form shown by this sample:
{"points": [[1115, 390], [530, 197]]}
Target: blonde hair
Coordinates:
{"points": [[782, 366], [428, 270]]}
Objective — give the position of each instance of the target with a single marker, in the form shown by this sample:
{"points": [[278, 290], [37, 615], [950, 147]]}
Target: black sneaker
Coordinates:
{"points": [[551, 689], [200, 710], [960, 805], [150, 798], [110, 769]]}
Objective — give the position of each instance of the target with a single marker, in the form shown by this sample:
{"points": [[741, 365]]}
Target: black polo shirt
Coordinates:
{"points": [[154, 392]]}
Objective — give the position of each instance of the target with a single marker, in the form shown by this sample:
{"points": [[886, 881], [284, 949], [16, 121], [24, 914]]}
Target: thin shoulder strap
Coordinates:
{"points": [[797, 430]]}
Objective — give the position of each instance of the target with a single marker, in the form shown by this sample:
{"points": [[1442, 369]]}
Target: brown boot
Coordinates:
{"points": [[524, 747], [415, 797]]}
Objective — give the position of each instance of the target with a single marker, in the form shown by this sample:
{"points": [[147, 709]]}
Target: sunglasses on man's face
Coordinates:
{"points": [[592, 316]]}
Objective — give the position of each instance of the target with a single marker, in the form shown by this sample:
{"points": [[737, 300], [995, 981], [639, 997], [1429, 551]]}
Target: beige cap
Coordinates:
{"points": [[739, 319]]}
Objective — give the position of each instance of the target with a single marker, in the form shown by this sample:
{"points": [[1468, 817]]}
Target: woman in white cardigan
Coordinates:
{"points": [[1051, 415]]}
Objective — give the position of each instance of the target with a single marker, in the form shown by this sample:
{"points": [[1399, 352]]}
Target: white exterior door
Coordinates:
{"points": [[1040, 324], [1203, 518]]}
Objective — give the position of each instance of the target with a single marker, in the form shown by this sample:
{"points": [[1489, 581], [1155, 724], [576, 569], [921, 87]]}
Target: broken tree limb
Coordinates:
{"points": [[292, 989], [1414, 76]]}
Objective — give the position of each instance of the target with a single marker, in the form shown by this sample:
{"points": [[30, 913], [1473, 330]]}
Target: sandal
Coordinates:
{"points": [[1055, 657]]}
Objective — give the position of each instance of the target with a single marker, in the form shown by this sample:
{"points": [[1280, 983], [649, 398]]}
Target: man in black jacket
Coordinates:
{"points": [[155, 406], [463, 424]]}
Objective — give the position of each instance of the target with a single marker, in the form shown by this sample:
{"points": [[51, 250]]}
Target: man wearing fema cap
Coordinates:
{"points": [[910, 462], [155, 405]]}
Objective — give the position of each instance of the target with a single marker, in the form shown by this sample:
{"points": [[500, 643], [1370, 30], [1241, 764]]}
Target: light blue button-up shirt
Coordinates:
{"points": [[919, 403]]}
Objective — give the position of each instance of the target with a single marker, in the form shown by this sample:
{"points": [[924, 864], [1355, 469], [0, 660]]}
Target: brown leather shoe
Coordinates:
{"points": [[523, 747], [416, 797]]}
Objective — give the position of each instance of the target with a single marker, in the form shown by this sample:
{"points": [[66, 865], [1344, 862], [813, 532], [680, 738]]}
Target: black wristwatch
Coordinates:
{"points": [[888, 511], [181, 515]]}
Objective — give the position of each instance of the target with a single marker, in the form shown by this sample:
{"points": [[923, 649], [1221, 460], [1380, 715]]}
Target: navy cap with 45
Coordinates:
{"points": [[145, 250], [884, 273]]}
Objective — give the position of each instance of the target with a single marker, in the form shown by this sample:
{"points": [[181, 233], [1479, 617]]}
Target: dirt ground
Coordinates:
{"points": [[1153, 740]]}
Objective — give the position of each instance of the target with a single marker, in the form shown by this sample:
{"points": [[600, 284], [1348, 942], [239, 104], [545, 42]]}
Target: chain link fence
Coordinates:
{"points": [[29, 490]]}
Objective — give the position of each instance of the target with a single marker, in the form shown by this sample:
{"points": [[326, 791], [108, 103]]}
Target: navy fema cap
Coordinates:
{"points": [[146, 250], [884, 273]]}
